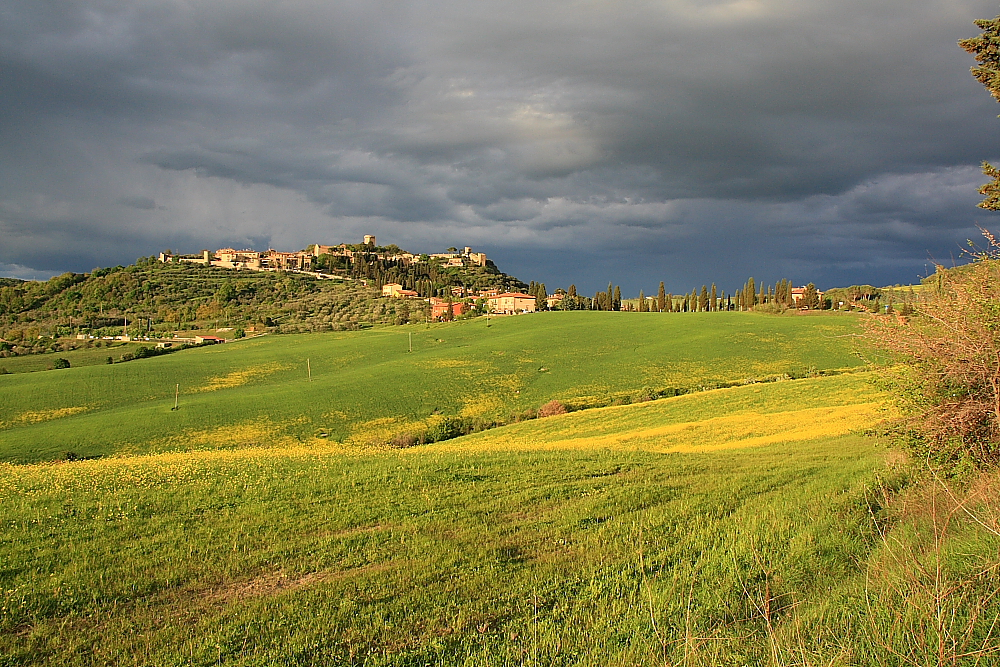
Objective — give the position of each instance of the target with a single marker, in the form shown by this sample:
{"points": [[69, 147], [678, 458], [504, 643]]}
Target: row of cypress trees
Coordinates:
{"points": [[711, 299]]}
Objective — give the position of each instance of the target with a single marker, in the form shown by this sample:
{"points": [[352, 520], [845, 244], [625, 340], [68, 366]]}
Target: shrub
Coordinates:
{"points": [[552, 408], [60, 363], [404, 440], [946, 379]]}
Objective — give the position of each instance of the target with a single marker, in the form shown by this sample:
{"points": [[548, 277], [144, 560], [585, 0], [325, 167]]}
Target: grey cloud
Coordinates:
{"points": [[141, 203], [675, 139]]}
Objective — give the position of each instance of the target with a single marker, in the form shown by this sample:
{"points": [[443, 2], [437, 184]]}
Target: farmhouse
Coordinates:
{"points": [[798, 292], [396, 291], [511, 303], [440, 309]]}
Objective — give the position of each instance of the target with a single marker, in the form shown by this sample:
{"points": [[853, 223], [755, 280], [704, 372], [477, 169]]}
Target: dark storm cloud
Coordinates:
{"points": [[141, 203], [682, 140]]}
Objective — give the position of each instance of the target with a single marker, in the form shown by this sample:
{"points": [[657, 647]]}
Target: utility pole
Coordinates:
{"points": [[177, 394], [410, 334], [309, 370]]}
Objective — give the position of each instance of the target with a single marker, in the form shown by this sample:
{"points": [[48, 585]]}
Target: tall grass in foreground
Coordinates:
{"points": [[745, 526], [562, 558]]}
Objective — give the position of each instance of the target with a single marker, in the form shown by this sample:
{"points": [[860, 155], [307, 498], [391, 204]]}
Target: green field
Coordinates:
{"points": [[464, 551], [582, 539], [366, 386], [94, 356], [751, 525]]}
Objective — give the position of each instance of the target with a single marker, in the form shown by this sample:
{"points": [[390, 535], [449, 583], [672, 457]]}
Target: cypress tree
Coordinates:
{"points": [[572, 291], [661, 298], [642, 302], [617, 305], [703, 299], [809, 297]]}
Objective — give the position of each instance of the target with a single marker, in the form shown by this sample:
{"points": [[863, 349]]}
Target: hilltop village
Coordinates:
{"points": [[319, 260], [354, 261]]}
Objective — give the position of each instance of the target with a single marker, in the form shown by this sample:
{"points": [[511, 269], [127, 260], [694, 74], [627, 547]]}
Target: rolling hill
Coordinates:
{"points": [[366, 387]]}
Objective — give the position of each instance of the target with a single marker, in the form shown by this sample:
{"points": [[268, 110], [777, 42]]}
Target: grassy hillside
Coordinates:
{"points": [[366, 387], [641, 534], [466, 552], [742, 526]]}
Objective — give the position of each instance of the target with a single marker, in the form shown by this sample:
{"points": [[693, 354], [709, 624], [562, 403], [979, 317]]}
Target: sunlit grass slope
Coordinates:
{"points": [[752, 416], [595, 538], [366, 386]]}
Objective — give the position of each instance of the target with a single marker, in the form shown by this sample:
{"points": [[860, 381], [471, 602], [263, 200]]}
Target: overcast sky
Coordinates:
{"points": [[690, 141]]}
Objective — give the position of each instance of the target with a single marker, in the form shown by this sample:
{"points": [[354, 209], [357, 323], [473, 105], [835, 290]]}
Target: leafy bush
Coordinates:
{"points": [[60, 363], [404, 440], [946, 378], [552, 408]]}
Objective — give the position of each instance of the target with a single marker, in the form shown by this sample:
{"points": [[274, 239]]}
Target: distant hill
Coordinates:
{"points": [[154, 297]]}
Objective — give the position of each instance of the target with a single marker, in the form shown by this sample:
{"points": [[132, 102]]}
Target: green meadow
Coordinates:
{"points": [[367, 387], [580, 539], [750, 525]]}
